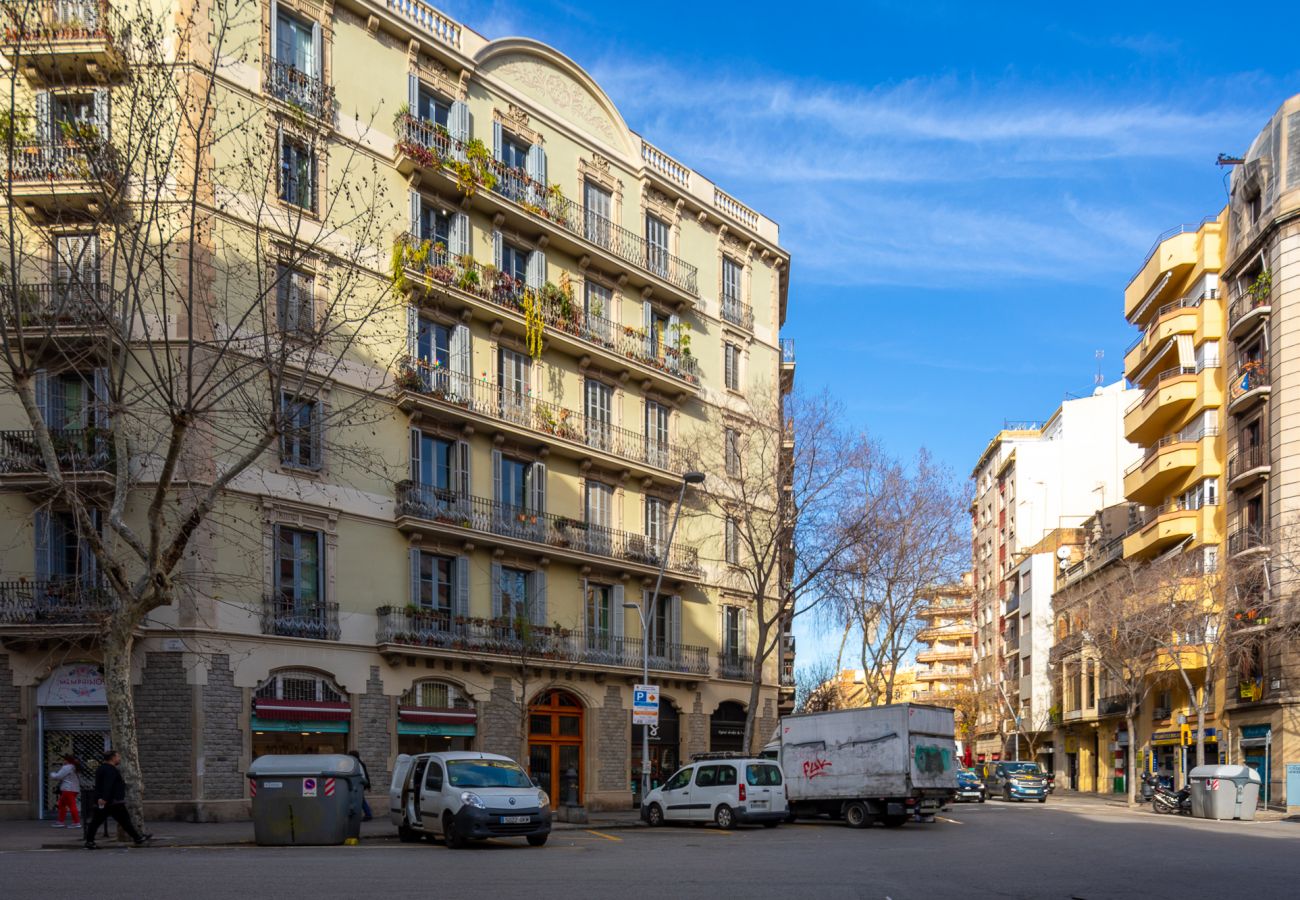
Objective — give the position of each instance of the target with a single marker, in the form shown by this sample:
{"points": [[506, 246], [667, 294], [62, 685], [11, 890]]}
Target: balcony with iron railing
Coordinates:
{"points": [[63, 41], [950, 630], [427, 268], [78, 173], [1179, 317], [440, 630], [84, 456], [1112, 706], [299, 89], [422, 507], [1251, 383], [1248, 539], [59, 603], [1166, 524], [40, 307], [1166, 462], [735, 666], [1248, 465], [439, 389], [1248, 309], [422, 144], [1166, 399], [738, 313], [289, 617]]}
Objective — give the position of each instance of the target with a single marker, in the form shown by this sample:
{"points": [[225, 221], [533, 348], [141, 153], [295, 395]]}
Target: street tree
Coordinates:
{"points": [[210, 316], [781, 535]]}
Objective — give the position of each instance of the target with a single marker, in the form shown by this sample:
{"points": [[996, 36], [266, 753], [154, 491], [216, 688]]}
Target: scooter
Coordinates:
{"points": [[1166, 800], [1149, 783]]}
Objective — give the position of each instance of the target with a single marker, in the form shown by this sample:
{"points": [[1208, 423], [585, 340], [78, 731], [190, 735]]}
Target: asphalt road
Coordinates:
{"points": [[1061, 849]]}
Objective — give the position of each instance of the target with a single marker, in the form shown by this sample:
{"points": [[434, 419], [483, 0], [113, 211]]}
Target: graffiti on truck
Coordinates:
{"points": [[932, 760], [814, 767]]}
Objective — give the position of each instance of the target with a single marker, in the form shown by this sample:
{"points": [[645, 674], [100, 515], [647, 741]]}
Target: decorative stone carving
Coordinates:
{"points": [[600, 162], [559, 91]]}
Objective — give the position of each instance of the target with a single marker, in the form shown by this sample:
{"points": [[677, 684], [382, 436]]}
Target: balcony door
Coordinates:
{"points": [[600, 406], [514, 378], [598, 208]]}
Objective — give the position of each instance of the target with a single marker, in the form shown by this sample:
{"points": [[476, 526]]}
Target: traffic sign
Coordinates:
{"points": [[309, 787], [645, 705]]}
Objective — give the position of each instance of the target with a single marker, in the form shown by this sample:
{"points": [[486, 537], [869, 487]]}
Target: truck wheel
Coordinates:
{"points": [[894, 821], [537, 840], [725, 818], [450, 835], [406, 834], [857, 815], [654, 815]]}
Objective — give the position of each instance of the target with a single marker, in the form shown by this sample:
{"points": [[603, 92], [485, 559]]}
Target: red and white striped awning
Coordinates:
{"points": [[434, 715], [302, 710]]}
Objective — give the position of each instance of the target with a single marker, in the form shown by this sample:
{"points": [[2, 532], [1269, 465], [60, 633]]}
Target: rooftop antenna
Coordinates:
{"points": [[1097, 379], [1226, 160]]}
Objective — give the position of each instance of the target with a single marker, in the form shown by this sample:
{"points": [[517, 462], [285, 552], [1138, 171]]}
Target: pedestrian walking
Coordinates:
{"points": [[67, 780], [110, 801], [366, 815]]}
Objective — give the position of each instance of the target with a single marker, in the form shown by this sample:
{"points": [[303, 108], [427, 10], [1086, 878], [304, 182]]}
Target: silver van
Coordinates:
{"points": [[466, 796]]}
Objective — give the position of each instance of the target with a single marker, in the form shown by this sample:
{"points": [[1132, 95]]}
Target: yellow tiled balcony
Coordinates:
{"points": [[1169, 397], [63, 41], [1169, 462], [940, 654], [952, 630], [1167, 525], [1180, 317]]}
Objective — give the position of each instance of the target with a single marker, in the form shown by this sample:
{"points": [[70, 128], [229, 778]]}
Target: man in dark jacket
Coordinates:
{"points": [[110, 801], [366, 814]]}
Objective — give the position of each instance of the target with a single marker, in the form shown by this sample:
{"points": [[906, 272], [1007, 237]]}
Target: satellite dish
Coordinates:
{"points": [[1063, 564], [1062, 552]]}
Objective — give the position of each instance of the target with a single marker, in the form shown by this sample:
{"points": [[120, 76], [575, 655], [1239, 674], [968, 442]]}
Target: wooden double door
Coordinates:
{"points": [[555, 729]]}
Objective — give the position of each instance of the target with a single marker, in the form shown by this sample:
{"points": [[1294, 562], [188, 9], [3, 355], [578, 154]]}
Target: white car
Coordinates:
{"points": [[728, 791], [466, 796]]}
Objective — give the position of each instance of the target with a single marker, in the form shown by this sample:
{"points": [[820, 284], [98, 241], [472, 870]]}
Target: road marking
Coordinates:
{"points": [[608, 837], [950, 821]]}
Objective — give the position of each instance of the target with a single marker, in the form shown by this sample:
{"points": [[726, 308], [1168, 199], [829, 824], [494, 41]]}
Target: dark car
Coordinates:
{"points": [[1015, 781], [969, 787]]}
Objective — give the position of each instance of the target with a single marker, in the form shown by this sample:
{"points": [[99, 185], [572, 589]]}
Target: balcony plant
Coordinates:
{"points": [[1261, 287], [533, 324], [468, 280]]}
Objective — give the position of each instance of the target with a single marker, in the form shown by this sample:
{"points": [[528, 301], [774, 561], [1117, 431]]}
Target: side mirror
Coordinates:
{"points": [[533, 779]]}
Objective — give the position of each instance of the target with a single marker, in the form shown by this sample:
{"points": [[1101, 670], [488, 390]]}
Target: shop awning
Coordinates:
{"points": [[435, 715], [302, 710]]}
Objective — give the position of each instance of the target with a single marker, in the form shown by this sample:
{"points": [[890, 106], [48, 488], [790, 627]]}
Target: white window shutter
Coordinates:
{"points": [[647, 322], [537, 488], [103, 121], [537, 597], [43, 525], [496, 476], [460, 590], [41, 390], [461, 469], [415, 215], [413, 94], [676, 610], [537, 164], [616, 611], [535, 273], [496, 141], [459, 235], [317, 53], [412, 332], [496, 250], [415, 576], [415, 454], [496, 590], [743, 632], [674, 331], [458, 122], [43, 123], [461, 343]]}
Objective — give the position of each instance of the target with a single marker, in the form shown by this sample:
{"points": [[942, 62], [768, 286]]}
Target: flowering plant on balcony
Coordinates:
{"points": [[408, 379]]}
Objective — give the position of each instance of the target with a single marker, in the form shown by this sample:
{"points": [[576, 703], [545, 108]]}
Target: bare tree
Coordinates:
{"points": [[186, 349], [815, 688], [780, 540], [912, 541]]}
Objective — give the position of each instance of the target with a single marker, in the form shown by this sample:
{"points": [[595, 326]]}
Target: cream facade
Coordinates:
{"points": [[575, 305], [946, 644]]}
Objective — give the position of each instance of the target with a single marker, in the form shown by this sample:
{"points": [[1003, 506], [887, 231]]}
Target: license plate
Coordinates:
{"points": [[516, 820], [759, 804]]}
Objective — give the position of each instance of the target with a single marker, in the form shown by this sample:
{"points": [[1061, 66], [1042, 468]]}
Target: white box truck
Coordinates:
{"points": [[881, 763]]}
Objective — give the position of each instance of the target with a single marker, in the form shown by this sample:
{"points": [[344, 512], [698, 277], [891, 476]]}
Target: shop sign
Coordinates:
{"points": [[645, 705], [1255, 731], [78, 684]]}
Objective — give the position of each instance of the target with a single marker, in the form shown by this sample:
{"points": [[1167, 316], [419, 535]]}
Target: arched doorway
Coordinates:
{"points": [[665, 749], [555, 729], [300, 711], [727, 728]]}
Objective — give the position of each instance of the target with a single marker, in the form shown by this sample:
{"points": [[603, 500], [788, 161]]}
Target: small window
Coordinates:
{"points": [[706, 776], [732, 542], [726, 776], [433, 777], [295, 45], [514, 152], [731, 443], [300, 439], [297, 173], [432, 108], [679, 780], [731, 365], [731, 282], [295, 301], [435, 585], [514, 262], [763, 776]]}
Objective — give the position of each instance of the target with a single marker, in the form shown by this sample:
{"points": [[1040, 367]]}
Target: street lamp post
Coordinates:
{"points": [[646, 614]]}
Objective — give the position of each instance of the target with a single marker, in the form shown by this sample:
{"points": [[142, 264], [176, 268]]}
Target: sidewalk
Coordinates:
{"points": [[37, 835], [1120, 802]]}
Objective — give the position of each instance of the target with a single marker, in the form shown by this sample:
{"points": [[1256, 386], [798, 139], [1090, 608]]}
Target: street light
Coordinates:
{"points": [[646, 615]]}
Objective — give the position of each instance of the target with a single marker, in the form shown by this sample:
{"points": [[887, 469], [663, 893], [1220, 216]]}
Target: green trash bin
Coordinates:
{"points": [[1224, 792], [305, 799]]}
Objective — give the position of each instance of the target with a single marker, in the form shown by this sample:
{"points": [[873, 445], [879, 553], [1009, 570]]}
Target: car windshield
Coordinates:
{"points": [[486, 773], [1026, 768]]}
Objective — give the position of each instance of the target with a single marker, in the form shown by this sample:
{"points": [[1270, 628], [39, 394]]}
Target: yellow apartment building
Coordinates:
{"points": [[946, 642], [571, 307]]}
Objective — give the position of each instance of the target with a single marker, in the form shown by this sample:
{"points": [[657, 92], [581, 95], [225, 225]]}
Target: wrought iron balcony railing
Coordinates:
{"points": [[1246, 459], [67, 601], [489, 399], [433, 266], [738, 313], [66, 303], [431, 146], [787, 350], [735, 665], [288, 617], [57, 20], [440, 629], [56, 162], [287, 82], [1248, 538], [422, 501], [76, 450], [1246, 303], [1251, 375]]}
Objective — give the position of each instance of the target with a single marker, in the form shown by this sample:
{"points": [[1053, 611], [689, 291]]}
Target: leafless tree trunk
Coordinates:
{"points": [[206, 362]]}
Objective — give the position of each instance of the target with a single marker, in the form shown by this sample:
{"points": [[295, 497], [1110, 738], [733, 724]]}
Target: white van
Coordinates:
{"points": [[723, 788], [466, 796]]}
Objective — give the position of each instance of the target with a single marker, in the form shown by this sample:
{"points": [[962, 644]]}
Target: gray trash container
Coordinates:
{"points": [[303, 799], [1224, 792]]}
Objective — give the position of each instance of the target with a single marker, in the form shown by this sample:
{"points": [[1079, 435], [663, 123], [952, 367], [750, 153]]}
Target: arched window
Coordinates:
{"points": [[435, 694], [299, 684]]}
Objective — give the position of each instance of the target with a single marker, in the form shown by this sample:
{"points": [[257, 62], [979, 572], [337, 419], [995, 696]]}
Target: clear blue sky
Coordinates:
{"points": [[965, 188]]}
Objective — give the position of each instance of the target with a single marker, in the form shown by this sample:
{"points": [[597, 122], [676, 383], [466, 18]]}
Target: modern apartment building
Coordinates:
{"points": [[1030, 479], [946, 644], [1261, 283], [576, 304]]}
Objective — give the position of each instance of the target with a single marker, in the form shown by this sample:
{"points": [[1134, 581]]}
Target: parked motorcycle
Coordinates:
{"points": [[1149, 783], [1168, 801]]}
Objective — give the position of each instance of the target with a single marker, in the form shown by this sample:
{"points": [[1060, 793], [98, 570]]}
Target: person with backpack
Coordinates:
{"points": [[67, 780]]}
